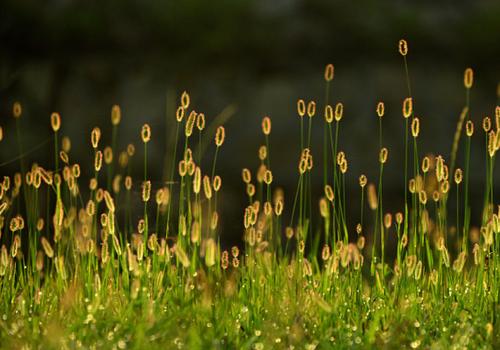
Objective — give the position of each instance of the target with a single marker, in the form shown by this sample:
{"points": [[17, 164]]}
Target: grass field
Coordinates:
{"points": [[79, 270]]}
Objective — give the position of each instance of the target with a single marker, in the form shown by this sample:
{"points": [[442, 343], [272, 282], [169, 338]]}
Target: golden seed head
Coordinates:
{"points": [[469, 128], [445, 186], [90, 208], [200, 121], [55, 121], [64, 157], [328, 113], [383, 155], [108, 155], [268, 208], [339, 111], [110, 204], [266, 125], [130, 149], [146, 133], [399, 218], [491, 143], [185, 100], [329, 193], [468, 78], [363, 180], [268, 177], [220, 136], [359, 228], [329, 70], [311, 109], [425, 164], [17, 110], [95, 136], [217, 183], [486, 124], [146, 190], [246, 175], [93, 184], [422, 197], [195, 232], [210, 252], [407, 107], [1, 133], [188, 155], [197, 180], [262, 152], [323, 208], [207, 188], [116, 115], [250, 190], [415, 127], [361, 242], [188, 131], [278, 207], [372, 197], [98, 161], [435, 196], [301, 107], [458, 176], [128, 183], [403, 47], [47, 248], [325, 252], [412, 185], [380, 109], [183, 168], [40, 224], [497, 117], [179, 114], [388, 220]]}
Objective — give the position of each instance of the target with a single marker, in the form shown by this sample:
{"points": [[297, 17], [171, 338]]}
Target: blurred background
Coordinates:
{"points": [[241, 60]]}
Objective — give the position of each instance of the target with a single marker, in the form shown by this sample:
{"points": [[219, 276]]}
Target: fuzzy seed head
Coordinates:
{"points": [[422, 197], [362, 180], [468, 78], [250, 190], [383, 155], [399, 218], [47, 248], [388, 220], [116, 115], [339, 111], [179, 114], [328, 114], [262, 152], [415, 127], [188, 131], [185, 100], [425, 164], [407, 107], [207, 188], [98, 161], [268, 177], [146, 133], [301, 107], [329, 71], [55, 121], [311, 109], [200, 121], [486, 124], [329, 193], [17, 110], [217, 183], [246, 175], [95, 136], [458, 176], [108, 155], [403, 47], [372, 197], [210, 251], [469, 128], [220, 136], [380, 109], [266, 125], [323, 208], [146, 191]]}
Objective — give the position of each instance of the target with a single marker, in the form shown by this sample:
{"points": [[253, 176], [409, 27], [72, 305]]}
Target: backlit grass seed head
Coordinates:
{"points": [[329, 71], [445, 186], [116, 183], [328, 114], [339, 111], [486, 124], [407, 107], [458, 176], [497, 117], [214, 221], [412, 185], [207, 188], [323, 208], [64, 157], [130, 150], [246, 175], [362, 180], [17, 180], [250, 190], [197, 180], [95, 136], [210, 252], [266, 125], [1, 133], [200, 121], [17, 110], [301, 107], [388, 220], [47, 248], [372, 197], [66, 144], [220, 136], [380, 109], [116, 115], [195, 232], [469, 128], [329, 193], [491, 143], [217, 183], [98, 161], [183, 168], [128, 183], [359, 228], [108, 155], [311, 109], [425, 164], [468, 78], [110, 204], [262, 152], [383, 155], [278, 207], [340, 157], [93, 184], [268, 177], [146, 133], [415, 127], [188, 131], [55, 121], [185, 100], [399, 218], [146, 191], [403, 47], [422, 197], [99, 195], [179, 114], [439, 168]]}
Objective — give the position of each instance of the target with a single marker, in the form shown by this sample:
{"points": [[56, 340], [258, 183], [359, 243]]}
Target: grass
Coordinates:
{"points": [[78, 270]]}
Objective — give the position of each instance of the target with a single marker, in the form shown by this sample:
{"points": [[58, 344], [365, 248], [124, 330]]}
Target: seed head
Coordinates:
{"points": [[64, 157], [407, 107], [486, 124], [146, 190], [95, 136], [128, 183], [200, 121], [329, 193], [403, 47], [185, 100], [146, 133], [468, 78], [220, 136], [339, 111], [311, 109], [246, 175], [383, 155], [217, 183], [399, 218], [108, 155], [328, 113], [388, 220], [380, 109], [323, 208], [458, 176], [329, 70], [207, 188], [491, 143], [469, 128], [98, 161], [210, 250], [415, 127], [17, 110], [268, 177], [55, 121], [372, 197], [422, 197], [278, 207], [262, 152], [301, 107], [179, 114], [47, 248], [425, 164], [116, 115], [250, 190], [266, 125], [363, 180], [190, 124]]}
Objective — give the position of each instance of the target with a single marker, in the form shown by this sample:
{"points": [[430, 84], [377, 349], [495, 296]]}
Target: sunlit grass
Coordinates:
{"points": [[79, 268]]}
